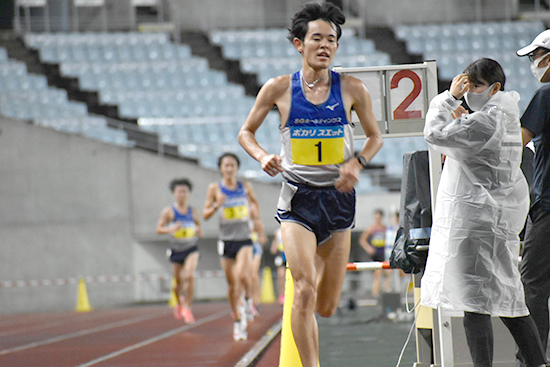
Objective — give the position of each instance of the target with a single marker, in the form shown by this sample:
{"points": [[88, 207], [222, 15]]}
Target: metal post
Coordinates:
{"points": [[508, 10], [132, 13], [46, 18], [17, 20], [27, 11], [75, 18], [479, 11], [104, 16], [160, 11], [175, 18]]}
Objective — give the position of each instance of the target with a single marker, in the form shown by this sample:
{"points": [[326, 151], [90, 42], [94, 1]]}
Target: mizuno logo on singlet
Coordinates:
{"points": [[332, 107]]}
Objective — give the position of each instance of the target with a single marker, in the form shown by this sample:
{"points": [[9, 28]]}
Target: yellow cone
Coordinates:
{"points": [[82, 302], [173, 301], [267, 293], [289, 356]]}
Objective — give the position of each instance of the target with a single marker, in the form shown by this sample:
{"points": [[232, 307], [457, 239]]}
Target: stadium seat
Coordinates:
{"points": [[470, 41], [267, 53]]}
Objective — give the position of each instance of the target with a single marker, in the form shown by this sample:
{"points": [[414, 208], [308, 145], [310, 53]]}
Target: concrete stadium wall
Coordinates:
{"points": [[219, 14], [75, 207], [395, 12], [64, 213], [204, 15]]}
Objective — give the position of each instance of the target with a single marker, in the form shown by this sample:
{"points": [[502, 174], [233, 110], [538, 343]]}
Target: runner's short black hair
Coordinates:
{"points": [[313, 11], [180, 181], [229, 154]]}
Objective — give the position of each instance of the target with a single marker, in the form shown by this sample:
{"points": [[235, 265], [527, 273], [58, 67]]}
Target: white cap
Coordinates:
{"points": [[542, 40]]}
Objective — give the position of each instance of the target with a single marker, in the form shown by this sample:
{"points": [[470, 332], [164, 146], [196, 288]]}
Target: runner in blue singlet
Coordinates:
{"points": [[182, 222], [317, 203], [236, 205]]}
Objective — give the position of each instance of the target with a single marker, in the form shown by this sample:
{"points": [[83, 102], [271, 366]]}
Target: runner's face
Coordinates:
{"points": [[319, 45], [229, 167], [181, 193]]}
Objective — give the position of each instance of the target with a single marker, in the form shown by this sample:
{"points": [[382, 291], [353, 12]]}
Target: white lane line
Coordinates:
{"points": [[155, 339], [79, 333], [18, 330], [253, 354]]}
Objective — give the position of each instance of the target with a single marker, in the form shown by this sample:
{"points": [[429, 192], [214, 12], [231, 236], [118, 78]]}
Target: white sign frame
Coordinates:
{"points": [[391, 94]]}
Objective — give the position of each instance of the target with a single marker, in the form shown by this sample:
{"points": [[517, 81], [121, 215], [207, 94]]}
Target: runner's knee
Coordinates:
{"points": [[327, 307], [305, 295]]}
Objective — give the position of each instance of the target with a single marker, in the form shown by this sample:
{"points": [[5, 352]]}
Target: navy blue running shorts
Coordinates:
{"points": [[379, 253], [180, 256], [230, 249], [322, 210]]}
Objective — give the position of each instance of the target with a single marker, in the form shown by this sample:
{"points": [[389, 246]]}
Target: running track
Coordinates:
{"points": [[136, 336]]}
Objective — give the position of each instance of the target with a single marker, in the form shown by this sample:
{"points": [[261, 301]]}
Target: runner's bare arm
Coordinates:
{"points": [[364, 243], [357, 97], [197, 222], [255, 211], [166, 217], [271, 94], [213, 202]]}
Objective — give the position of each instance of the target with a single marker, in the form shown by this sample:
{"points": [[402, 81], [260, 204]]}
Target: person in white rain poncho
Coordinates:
{"points": [[481, 206]]}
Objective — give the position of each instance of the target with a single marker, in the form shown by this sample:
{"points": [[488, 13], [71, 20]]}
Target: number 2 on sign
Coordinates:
{"points": [[400, 112]]}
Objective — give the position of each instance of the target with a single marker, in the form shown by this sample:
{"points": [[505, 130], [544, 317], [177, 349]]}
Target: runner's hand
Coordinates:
{"points": [[271, 164], [174, 227], [349, 175]]}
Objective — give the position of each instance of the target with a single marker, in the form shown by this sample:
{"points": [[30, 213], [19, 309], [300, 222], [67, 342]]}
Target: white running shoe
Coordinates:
{"points": [[239, 332], [244, 322], [243, 312], [251, 310]]}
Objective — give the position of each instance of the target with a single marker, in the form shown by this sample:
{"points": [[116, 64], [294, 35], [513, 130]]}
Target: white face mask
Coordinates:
{"points": [[477, 100], [539, 72]]}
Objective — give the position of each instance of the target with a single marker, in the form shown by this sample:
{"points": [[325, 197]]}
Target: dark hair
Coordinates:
{"points": [[229, 154], [180, 181], [313, 11], [379, 211], [487, 70]]}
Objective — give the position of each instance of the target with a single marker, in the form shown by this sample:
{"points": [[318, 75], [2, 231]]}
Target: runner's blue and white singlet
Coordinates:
{"points": [[234, 214], [185, 237], [316, 139]]}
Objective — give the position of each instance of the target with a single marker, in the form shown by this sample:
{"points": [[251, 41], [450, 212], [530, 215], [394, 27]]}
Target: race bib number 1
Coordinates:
{"points": [[313, 146]]}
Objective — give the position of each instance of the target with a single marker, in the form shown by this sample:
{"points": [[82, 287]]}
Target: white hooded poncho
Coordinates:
{"points": [[481, 206]]}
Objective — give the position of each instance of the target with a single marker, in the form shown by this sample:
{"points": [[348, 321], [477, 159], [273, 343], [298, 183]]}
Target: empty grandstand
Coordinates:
{"points": [[157, 82]]}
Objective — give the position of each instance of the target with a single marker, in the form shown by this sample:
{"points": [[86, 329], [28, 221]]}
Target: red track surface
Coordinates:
{"points": [[138, 336], [270, 358]]}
